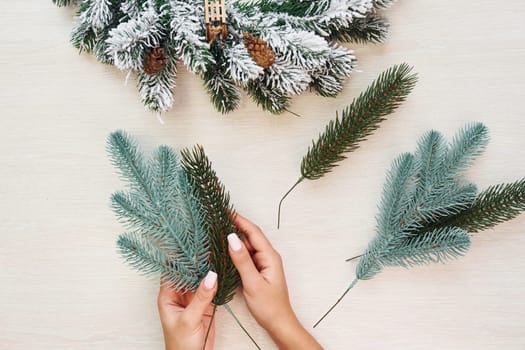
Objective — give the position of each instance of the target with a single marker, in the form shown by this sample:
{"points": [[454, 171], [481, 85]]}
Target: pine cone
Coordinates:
{"points": [[155, 60], [261, 53]]}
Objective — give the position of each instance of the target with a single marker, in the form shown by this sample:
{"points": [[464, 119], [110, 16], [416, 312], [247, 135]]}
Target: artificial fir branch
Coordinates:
{"points": [[179, 215], [358, 121], [428, 209], [219, 214], [167, 222]]}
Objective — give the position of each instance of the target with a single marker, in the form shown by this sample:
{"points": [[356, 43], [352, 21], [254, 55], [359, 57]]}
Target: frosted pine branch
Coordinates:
{"points": [[300, 34], [128, 42]]}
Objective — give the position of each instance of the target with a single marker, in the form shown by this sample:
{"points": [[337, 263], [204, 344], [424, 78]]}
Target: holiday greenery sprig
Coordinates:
{"points": [[168, 233], [429, 209], [218, 214], [179, 215], [271, 49], [357, 122]]}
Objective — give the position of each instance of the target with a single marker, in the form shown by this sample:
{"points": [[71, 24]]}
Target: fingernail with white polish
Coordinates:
{"points": [[210, 279], [234, 242]]}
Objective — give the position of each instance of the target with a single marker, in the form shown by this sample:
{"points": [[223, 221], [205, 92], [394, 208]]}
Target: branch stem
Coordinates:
{"points": [[354, 257], [337, 302], [293, 113], [230, 311], [282, 199], [209, 327]]}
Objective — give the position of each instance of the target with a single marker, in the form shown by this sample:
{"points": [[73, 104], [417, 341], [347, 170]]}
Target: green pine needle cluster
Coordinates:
{"points": [[428, 208], [357, 122], [219, 215], [496, 204], [165, 218], [372, 28]]}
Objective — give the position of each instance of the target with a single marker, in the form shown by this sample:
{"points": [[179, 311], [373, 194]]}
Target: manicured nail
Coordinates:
{"points": [[210, 279], [234, 241]]}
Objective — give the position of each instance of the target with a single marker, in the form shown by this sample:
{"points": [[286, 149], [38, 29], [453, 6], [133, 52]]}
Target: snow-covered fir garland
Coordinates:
{"points": [[300, 36]]}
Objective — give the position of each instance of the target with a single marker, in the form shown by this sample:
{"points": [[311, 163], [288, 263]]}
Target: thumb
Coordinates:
{"points": [[201, 299]]}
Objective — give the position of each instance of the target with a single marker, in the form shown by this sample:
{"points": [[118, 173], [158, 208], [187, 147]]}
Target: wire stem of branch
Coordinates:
{"points": [[337, 302], [230, 311], [282, 199]]}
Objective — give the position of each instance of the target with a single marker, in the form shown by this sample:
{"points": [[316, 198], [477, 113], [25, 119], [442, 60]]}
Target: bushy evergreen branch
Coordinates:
{"points": [[358, 121], [219, 216], [428, 207], [161, 207]]}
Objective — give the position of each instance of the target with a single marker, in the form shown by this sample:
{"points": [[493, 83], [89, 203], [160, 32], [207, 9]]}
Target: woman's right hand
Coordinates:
{"points": [[264, 287]]}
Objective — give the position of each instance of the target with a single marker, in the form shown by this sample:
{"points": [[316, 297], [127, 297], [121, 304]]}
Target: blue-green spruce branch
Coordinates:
{"points": [[304, 37], [358, 121], [429, 210], [178, 215]]}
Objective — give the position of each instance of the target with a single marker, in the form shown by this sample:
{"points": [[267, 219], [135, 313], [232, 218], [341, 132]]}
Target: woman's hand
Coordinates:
{"points": [[264, 287], [185, 317]]}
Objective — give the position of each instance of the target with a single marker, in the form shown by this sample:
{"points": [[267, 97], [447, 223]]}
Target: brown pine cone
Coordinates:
{"points": [[259, 49], [155, 61]]}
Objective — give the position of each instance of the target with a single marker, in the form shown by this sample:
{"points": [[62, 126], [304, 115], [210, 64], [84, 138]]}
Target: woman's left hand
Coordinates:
{"points": [[186, 317]]}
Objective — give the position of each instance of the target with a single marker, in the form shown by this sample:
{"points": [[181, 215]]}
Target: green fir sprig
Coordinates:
{"points": [[357, 122], [219, 215], [161, 210], [179, 215], [429, 209], [494, 205]]}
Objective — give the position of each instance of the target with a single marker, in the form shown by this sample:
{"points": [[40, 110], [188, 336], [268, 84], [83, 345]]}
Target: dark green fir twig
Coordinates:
{"points": [[219, 219], [357, 122]]}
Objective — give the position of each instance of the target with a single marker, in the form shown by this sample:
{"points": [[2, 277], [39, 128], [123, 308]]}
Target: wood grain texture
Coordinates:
{"points": [[62, 285]]}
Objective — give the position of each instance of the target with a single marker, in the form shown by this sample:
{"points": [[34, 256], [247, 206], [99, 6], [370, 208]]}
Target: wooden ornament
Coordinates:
{"points": [[215, 19]]}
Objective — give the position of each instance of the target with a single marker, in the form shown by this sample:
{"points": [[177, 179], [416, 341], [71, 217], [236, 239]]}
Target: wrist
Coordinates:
{"points": [[281, 327], [289, 334]]}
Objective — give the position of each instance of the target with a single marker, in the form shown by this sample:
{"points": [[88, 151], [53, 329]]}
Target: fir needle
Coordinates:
{"points": [[337, 302], [230, 311]]}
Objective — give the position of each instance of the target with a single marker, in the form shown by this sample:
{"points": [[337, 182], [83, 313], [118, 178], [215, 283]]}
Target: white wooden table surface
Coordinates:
{"points": [[62, 285]]}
